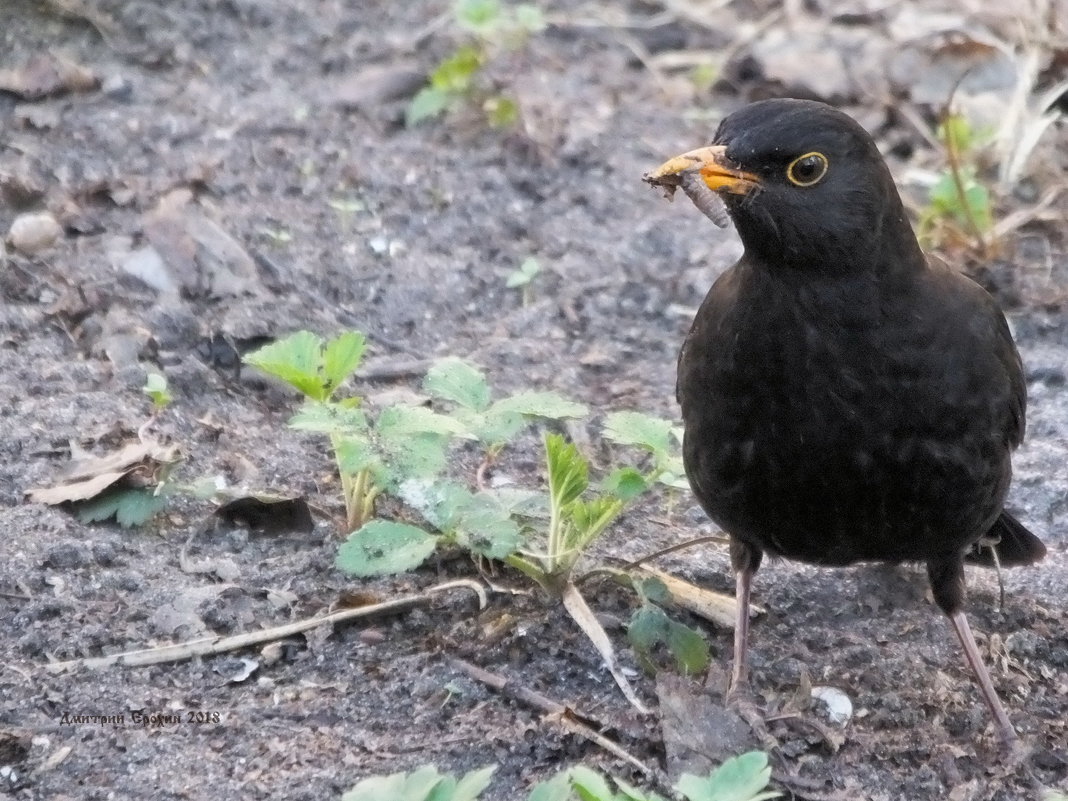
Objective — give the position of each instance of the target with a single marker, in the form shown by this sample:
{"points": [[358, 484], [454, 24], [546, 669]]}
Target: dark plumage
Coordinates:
{"points": [[844, 398]]}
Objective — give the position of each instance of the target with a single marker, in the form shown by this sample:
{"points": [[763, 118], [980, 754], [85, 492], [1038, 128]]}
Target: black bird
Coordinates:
{"points": [[844, 398]]}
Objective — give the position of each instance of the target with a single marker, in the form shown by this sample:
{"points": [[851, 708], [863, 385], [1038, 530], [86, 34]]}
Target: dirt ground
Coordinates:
{"points": [[316, 207]]}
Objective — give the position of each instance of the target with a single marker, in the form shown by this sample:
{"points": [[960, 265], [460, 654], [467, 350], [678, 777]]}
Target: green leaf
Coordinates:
{"points": [[486, 527], [643, 430], [626, 483], [526, 273], [590, 785], [568, 470], [453, 75], [384, 547], [354, 455], [501, 111], [472, 784], [294, 359], [329, 418], [429, 102], [404, 421], [478, 15], [630, 793], [156, 389], [342, 357], [740, 778], [460, 382], [439, 502], [650, 626], [653, 590], [688, 647], [130, 506], [558, 788], [589, 519], [549, 405], [415, 456], [530, 18]]}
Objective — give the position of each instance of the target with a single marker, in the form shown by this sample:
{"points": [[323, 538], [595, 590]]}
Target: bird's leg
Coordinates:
{"points": [[743, 580], [947, 584], [745, 560], [971, 652]]}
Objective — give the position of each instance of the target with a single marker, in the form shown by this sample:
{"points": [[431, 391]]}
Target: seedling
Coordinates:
{"points": [[424, 784], [650, 626], [493, 423], [458, 80], [523, 278], [157, 390], [740, 778], [403, 442], [959, 203]]}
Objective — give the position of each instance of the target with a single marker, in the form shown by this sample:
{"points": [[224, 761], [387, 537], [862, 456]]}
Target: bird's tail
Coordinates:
{"points": [[1014, 544]]}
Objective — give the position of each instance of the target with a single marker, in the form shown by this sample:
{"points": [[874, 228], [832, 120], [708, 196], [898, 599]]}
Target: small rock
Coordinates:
{"points": [[32, 233], [117, 88], [837, 704], [67, 556]]}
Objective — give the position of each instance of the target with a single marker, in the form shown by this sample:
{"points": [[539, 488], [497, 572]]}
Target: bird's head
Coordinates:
{"points": [[805, 185]]}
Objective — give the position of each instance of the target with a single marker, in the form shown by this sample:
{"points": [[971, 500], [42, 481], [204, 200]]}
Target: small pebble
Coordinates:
{"points": [[32, 233]]}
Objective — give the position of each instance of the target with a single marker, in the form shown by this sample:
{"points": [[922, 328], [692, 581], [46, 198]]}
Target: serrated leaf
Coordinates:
{"points": [[384, 547], [454, 74], [643, 430], [558, 788], [329, 418], [294, 359], [341, 357], [440, 502], [478, 15], [590, 785], [429, 102], [377, 788], [403, 421], [626, 483], [688, 647], [130, 506], [653, 590], [472, 784], [418, 456], [486, 527], [589, 519], [355, 454], [740, 778], [549, 405], [568, 470], [460, 382]]}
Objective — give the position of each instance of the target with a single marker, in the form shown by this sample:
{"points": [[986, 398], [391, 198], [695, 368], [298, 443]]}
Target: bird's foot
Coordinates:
{"points": [[742, 702]]}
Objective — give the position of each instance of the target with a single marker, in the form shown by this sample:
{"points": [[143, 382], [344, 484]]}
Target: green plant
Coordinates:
{"points": [[740, 778], [372, 455], [523, 278], [490, 29], [424, 784], [959, 204], [157, 390], [574, 522], [651, 626], [659, 438]]}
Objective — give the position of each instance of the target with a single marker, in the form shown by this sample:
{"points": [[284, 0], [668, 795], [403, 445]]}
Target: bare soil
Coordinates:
{"points": [[284, 122]]}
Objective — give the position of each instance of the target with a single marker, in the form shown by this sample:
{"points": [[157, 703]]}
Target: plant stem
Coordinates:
{"points": [[955, 170]]}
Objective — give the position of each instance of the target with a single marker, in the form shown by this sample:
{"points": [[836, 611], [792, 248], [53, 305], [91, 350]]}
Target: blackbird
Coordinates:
{"points": [[844, 398]]}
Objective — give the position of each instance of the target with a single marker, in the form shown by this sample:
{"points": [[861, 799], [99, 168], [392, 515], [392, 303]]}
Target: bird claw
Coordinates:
{"points": [[742, 702]]}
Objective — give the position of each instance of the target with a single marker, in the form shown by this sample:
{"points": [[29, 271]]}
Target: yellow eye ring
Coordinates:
{"points": [[807, 170]]}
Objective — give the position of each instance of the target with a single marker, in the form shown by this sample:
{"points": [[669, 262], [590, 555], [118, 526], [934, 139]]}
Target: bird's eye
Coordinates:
{"points": [[807, 170]]}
